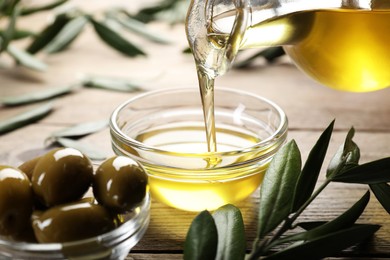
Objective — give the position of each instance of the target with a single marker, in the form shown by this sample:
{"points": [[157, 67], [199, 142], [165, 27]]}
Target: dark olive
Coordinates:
{"points": [[71, 222], [16, 201], [29, 166], [62, 175], [120, 184]]}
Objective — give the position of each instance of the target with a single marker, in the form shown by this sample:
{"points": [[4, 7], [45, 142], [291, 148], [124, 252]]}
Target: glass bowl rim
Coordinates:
{"points": [[279, 133]]}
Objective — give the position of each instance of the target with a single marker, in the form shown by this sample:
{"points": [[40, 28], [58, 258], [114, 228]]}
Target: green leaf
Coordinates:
{"points": [[111, 83], [346, 157], [113, 39], [187, 50], [148, 14], [310, 224], [49, 6], [67, 35], [176, 14], [382, 193], [92, 152], [48, 33], [26, 59], [273, 53], [82, 129], [270, 54], [22, 34], [139, 28], [8, 34], [351, 148], [3, 6], [202, 238], [276, 200], [312, 168], [24, 118], [326, 245], [37, 96], [231, 233], [369, 173], [345, 220], [7, 7]]}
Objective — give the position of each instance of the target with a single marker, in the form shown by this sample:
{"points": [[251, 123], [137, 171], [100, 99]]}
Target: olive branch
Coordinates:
{"points": [[285, 193]]}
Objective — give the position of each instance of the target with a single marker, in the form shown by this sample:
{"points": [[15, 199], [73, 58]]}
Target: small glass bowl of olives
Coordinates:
{"points": [[57, 206]]}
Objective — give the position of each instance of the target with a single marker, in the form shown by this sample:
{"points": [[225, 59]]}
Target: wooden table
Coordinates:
{"points": [[310, 108]]}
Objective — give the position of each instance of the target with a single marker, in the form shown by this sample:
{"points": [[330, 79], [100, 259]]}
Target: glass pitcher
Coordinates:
{"points": [[343, 44]]}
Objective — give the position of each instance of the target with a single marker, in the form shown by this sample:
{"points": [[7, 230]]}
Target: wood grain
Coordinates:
{"points": [[310, 108]]}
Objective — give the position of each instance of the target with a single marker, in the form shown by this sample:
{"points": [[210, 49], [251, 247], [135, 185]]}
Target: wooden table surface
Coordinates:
{"points": [[310, 108]]}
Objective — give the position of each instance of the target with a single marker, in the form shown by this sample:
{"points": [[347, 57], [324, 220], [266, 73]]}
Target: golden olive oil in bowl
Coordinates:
{"points": [[164, 130]]}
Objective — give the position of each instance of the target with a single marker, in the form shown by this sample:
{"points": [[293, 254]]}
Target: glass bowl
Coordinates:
{"points": [[164, 130], [115, 244]]}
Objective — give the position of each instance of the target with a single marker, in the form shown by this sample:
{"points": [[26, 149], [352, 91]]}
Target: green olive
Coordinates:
{"points": [[61, 175], [29, 166], [120, 183], [71, 222], [16, 201], [26, 235]]}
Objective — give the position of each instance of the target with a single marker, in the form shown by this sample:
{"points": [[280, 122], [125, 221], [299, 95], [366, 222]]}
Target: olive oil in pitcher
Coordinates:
{"points": [[343, 48]]}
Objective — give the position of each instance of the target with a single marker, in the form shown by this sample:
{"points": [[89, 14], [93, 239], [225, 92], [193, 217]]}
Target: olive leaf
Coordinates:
{"points": [[7, 7], [231, 233], [113, 39], [382, 193], [148, 14], [310, 224], [81, 129], [8, 34], [202, 238], [139, 28], [89, 150], [312, 168], [276, 200], [321, 238], [369, 173], [49, 6], [21, 34], [67, 34], [118, 84], [326, 245], [187, 50], [347, 156], [345, 220], [24, 118], [269, 54], [176, 14], [3, 6], [37, 96], [351, 147], [48, 33], [26, 59]]}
